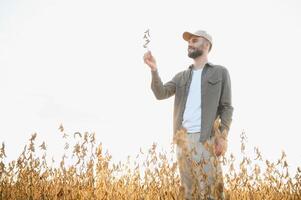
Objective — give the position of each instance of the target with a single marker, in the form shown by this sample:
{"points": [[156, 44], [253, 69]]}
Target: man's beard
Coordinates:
{"points": [[196, 53]]}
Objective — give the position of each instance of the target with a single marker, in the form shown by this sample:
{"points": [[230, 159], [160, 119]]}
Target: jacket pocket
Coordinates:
{"points": [[214, 81], [215, 78]]}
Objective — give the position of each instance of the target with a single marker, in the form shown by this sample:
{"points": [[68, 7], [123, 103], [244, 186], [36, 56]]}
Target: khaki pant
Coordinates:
{"points": [[200, 170]]}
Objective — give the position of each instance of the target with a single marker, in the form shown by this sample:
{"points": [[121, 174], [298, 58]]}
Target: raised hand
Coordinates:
{"points": [[150, 60]]}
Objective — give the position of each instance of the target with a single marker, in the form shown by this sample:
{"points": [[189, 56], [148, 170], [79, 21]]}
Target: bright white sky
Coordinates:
{"points": [[80, 63]]}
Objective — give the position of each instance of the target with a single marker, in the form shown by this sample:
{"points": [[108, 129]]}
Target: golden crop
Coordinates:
{"points": [[94, 176]]}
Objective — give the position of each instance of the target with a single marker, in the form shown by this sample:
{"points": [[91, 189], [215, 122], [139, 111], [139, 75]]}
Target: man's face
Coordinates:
{"points": [[196, 46]]}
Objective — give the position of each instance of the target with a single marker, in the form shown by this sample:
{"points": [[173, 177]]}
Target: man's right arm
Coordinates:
{"points": [[162, 91]]}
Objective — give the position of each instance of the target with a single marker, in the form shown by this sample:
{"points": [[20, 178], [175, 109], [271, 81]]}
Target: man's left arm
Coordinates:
{"points": [[225, 109]]}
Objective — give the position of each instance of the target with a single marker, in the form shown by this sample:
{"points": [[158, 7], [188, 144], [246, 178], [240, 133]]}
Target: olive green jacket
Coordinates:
{"points": [[216, 97]]}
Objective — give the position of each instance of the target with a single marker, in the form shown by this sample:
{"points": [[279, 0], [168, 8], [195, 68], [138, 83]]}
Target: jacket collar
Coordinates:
{"points": [[207, 64]]}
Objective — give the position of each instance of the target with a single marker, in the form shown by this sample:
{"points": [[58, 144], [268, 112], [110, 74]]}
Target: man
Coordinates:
{"points": [[201, 119]]}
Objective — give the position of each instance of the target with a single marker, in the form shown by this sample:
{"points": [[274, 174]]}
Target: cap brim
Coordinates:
{"points": [[188, 35]]}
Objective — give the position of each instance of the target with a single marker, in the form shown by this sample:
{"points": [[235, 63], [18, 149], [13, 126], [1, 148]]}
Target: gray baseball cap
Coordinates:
{"points": [[201, 33]]}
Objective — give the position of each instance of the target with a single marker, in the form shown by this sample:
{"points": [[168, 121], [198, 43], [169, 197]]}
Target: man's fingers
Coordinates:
{"points": [[149, 59], [218, 150], [146, 56]]}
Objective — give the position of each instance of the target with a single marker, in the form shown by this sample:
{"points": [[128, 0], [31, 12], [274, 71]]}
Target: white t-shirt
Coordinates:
{"points": [[193, 113]]}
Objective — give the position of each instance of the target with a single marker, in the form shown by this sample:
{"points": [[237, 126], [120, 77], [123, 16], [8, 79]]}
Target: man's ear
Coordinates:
{"points": [[207, 43]]}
